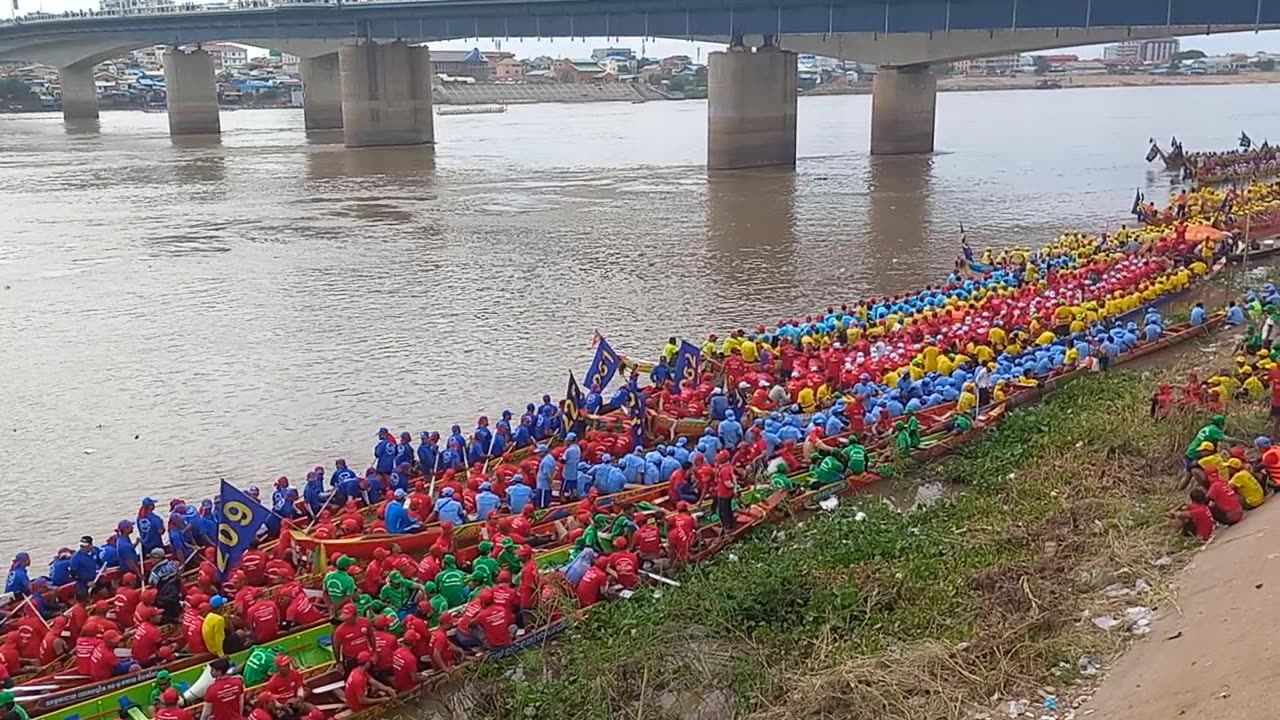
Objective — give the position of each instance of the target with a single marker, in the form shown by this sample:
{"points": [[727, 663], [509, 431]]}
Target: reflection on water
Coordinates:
{"points": [[260, 302]]}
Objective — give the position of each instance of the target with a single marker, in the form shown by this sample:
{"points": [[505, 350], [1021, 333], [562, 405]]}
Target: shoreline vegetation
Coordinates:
{"points": [[868, 612]]}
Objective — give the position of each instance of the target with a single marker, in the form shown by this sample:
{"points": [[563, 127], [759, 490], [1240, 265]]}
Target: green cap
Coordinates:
{"points": [[162, 675], [6, 697], [394, 576], [345, 562]]}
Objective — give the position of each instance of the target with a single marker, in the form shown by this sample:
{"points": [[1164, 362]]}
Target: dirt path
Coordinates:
{"points": [[1226, 659]]}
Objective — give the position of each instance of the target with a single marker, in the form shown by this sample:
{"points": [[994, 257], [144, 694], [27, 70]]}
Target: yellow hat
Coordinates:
{"points": [[1206, 446], [1246, 370], [1234, 463]]}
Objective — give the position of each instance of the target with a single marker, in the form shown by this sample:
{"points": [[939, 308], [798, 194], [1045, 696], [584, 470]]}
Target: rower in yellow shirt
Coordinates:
{"points": [[214, 629], [1046, 338], [823, 396], [749, 351], [945, 365], [984, 353], [1246, 485], [709, 347], [1077, 324], [670, 349], [1252, 384], [805, 399], [997, 337], [968, 399], [931, 353]]}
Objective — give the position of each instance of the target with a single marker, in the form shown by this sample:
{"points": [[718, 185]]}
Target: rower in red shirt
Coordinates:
{"points": [[528, 587], [224, 698], [254, 565], [264, 620], [503, 592], [623, 564], [443, 654], [169, 709], [430, 566], [146, 640], [353, 635], [374, 573], [419, 624], [496, 621], [300, 609], [193, 629], [404, 663], [126, 600], [647, 537], [362, 688], [53, 645], [286, 682], [102, 661], [85, 645], [592, 584], [384, 643], [30, 633]]}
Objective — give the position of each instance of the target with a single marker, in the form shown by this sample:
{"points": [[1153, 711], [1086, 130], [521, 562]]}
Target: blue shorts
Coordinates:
{"points": [[542, 497], [568, 489]]}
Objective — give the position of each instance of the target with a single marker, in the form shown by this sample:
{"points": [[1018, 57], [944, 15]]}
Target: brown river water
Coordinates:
{"points": [[259, 304]]}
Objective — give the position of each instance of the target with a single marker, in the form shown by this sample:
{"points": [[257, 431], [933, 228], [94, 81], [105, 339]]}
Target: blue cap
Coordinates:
{"points": [[217, 601], [447, 492], [124, 524], [542, 448], [22, 557], [382, 431], [483, 486], [426, 434], [399, 493], [148, 501], [570, 436]]}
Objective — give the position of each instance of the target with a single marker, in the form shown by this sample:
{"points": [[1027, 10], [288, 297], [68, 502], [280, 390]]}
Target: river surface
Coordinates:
{"points": [[261, 303]]}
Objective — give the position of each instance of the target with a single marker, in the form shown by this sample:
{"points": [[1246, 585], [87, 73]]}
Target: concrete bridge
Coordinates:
{"points": [[367, 70]]}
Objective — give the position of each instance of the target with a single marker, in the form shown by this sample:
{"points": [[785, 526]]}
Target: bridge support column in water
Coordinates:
{"points": [[751, 107], [322, 93], [79, 95], [904, 101], [386, 95], [191, 93]]}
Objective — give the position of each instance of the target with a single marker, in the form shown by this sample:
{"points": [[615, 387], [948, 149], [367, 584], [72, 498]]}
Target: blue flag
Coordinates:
{"points": [[571, 407], [687, 358], [239, 517], [603, 366]]}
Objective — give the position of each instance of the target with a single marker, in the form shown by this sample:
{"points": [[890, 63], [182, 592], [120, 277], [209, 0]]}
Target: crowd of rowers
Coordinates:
{"points": [[1229, 476], [1216, 207], [397, 617], [1262, 161], [886, 358], [940, 345]]}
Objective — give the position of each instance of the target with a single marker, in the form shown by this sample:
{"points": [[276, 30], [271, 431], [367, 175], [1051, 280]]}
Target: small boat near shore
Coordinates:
{"points": [[471, 109]]}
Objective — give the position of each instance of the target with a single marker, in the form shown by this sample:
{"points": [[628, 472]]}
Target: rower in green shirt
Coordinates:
{"points": [[162, 683], [452, 582], [828, 470], [338, 584], [8, 703], [260, 664], [398, 592], [855, 458]]}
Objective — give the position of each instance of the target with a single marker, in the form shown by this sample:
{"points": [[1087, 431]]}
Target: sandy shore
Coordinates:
{"points": [[1213, 654]]}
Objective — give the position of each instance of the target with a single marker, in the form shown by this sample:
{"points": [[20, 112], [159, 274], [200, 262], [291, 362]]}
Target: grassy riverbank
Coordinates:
{"points": [[919, 615]]}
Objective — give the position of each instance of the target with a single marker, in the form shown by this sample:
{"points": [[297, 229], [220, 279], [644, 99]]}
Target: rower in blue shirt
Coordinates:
{"points": [[313, 492], [504, 425], [569, 475], [84, 565], [386, 453], [524, 434], [498, 446], [717, 404], [600, 474], [18, 582], [681, 451], [547, 407], [400, 478], [652, 474], [711, 440], [668, 468], [632, 467], [377, 490], [452, 456], [397, 516], [730, 430], [546, 471], [518, 494], [487, 501], [60, 568], [593, 401], [404, 449], [1235, 314], [428, 451], [126, 553], [177, 540], [349, 488], [483, 435], [150, 526], [475, 452], [615, 478], [1197, 314], [449, 509]]}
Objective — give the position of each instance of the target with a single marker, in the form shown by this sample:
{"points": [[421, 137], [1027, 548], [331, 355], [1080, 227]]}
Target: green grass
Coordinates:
{"points": [[921, 614]]}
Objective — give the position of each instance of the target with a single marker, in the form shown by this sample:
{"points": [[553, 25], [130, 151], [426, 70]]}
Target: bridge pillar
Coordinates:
{"points": [[79, 95], [191, 93], [903, 104], [751, 108], [322, 93], [386, 95]]}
